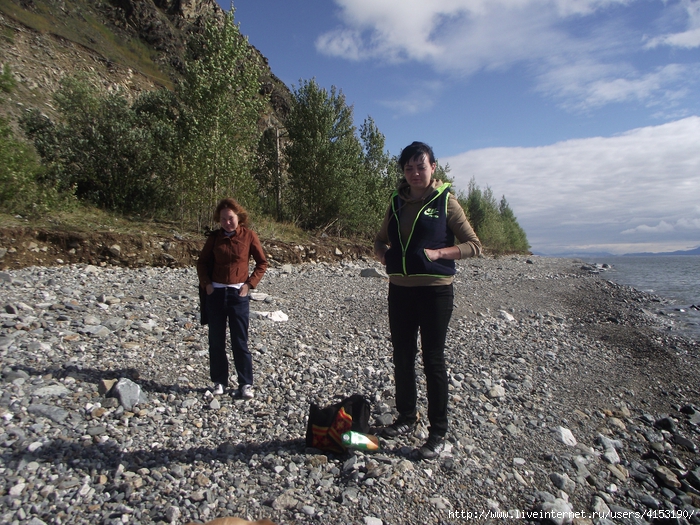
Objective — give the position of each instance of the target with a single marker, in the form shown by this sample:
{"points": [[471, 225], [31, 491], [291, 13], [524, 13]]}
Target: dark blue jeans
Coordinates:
{"points": [[428, 309], [222, 305]]}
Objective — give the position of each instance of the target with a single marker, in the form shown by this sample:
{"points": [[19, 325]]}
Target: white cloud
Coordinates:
{"points": [[586, 85], [683, 224], [419, 99], [689, 224], [589, 192], [688, 39], [341, 42], [662, 227], [461, 36], [559, 40]]}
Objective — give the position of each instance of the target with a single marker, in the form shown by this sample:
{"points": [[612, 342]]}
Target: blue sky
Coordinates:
{"points": [[585, 114]]}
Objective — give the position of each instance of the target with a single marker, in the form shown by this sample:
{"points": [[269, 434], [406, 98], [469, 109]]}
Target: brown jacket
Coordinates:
{"points": [[225, 259]]}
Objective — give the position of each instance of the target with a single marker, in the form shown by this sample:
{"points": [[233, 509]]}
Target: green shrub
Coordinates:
{"points": [[7, 81], [115, 155], [19, 171]]}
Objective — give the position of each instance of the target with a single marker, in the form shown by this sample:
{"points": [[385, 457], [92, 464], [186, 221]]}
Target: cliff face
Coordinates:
{"points": [[162, 24], [131, 44]]}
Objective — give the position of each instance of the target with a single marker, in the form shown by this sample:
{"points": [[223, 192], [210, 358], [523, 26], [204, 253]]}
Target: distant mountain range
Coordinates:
{"points": [[694, 251], [575, 255], [598, 255]]}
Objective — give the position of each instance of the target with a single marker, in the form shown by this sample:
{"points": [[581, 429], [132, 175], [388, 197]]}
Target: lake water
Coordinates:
{"points": [[675, 277]]}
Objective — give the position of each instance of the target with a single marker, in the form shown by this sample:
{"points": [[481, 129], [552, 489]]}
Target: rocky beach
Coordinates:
{"points": [[572, 400]]}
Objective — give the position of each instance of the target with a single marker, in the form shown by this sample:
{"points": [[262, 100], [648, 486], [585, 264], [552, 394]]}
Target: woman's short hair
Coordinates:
{"points": [[231, 204], [413, 150]]}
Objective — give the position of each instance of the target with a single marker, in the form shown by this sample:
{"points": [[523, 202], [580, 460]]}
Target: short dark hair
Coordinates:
{"points": [[231, 204], [413, 150]]}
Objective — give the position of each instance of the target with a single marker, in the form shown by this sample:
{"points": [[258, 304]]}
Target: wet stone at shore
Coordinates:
{"points": [[569, 396]]}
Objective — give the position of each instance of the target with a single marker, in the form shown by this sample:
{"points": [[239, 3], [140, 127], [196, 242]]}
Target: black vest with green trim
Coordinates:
{"points": [[429, 230]]}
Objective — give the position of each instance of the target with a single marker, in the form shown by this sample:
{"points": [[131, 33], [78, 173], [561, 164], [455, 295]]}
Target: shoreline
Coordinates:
{"points": [[679, 296], [535, 345]]}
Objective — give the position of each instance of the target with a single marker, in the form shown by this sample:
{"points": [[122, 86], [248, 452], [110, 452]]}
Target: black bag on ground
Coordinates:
{"points": [[326, 425]]}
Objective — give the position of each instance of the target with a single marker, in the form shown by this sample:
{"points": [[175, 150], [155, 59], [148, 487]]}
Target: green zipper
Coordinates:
{"points": [[440, 190]]}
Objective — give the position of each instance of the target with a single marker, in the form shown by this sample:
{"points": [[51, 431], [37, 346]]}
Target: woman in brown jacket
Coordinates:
{"points": [[223, 272]]}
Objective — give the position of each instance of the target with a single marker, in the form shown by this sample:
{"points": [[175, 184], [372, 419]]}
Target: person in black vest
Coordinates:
{"points": [[416, 242]]}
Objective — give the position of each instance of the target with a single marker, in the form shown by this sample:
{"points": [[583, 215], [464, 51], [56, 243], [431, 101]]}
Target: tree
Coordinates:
{"points": [[221, 106], [515, 235], [270, 174], [19, 166], [164, 153], [104, 149], [494, 223], [323, 157], [373, 183], [19, 170], [442, 172], [376, 160], [476, 206]]}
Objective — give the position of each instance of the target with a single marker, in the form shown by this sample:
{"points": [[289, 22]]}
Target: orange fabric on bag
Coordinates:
{"points": [[329, 438]]}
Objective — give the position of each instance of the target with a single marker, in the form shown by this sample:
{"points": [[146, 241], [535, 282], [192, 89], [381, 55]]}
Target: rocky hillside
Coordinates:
{"points": [[132, 44]]}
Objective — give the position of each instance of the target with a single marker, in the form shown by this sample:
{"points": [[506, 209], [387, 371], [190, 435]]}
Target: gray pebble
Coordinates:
{"points": [[163, 450]]}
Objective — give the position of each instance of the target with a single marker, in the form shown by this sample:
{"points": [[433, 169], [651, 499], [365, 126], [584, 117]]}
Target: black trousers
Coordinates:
{"points": [[427, 309], [225, 304]]}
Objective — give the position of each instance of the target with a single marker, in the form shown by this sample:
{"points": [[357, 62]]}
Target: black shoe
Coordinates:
{"points": [[433, 447], [400, 427]]}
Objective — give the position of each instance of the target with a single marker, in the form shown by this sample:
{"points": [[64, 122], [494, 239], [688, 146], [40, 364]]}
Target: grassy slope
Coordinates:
{"points": [[82, 24], [88, 219]]}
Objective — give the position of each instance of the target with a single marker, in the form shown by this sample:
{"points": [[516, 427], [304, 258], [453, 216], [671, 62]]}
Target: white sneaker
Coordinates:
{"points": [[247, 392], [218, 389]]}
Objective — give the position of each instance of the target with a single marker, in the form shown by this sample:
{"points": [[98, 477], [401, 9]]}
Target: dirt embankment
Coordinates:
{"points": [[22, 246]]}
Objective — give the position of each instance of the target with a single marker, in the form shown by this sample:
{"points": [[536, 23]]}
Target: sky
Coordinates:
{"points": [[583, 114]]}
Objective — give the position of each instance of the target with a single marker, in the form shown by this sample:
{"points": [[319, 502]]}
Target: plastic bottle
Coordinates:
{"points": [[360, 441]]}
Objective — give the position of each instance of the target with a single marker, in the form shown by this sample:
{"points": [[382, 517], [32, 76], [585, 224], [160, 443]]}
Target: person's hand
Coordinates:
{"points": [[432, 255], [210, 289], [448, 253], [243, 291]]}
